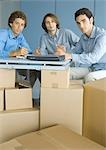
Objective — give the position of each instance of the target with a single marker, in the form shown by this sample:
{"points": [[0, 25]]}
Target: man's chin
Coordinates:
{"points": [[18, 32]]}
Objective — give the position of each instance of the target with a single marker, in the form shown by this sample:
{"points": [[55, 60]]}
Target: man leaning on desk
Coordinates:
{"points": [[12, 41], [55, 37], [89, 55]]}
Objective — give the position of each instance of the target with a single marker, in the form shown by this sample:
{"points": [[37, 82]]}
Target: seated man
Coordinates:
{"points": [[89, 55], [54, 37], [12, 41]]}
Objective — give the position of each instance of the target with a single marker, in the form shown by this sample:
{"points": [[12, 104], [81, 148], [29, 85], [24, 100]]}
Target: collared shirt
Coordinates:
{"points": [[91, 50], [10, 43], [64, 37]]}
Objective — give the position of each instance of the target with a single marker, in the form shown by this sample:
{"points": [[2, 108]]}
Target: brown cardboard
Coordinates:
{"points": [[18, 122], [55, 78], [1, 99], [53, 138], [62, 106], [7, 78], [18, 98], [73, 82], [95, 111]]}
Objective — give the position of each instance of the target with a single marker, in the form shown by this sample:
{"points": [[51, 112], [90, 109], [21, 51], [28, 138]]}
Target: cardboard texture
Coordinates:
{"points": [[53, 138], [1, 99], [18, 98], [62, 106], [57, 78], [73, 82], [95, 111], [7, 78], [16, 123]]}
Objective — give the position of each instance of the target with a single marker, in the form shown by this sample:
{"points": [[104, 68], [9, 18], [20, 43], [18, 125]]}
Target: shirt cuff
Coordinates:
{"points": [[75, 57]]}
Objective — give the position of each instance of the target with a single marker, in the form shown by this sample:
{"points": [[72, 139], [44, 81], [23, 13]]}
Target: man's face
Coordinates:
{"points": [[50, 24], [84, 23], [17, 26]]}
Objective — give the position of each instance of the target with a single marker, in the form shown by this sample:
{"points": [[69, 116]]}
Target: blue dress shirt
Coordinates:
{"points": [[10, 43], [91, 51], [64, 37]]}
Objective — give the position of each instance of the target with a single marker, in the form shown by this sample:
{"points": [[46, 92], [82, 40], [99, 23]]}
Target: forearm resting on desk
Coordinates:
{"points": [[61, 50], [67, 55], [18, 52]]}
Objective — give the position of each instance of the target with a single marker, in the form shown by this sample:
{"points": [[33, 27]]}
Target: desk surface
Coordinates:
{"points": [[19, 63]]}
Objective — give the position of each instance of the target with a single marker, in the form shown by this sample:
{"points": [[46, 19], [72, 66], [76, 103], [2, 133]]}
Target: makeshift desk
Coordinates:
{"points": [[17, 63]]}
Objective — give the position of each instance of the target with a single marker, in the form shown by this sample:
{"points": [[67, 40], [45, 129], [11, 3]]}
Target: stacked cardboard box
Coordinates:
{"points": [[17, 116], [53, 138], [7, 78], [61, 100], [18, 98], [55, 78], [13, 97], [1, 99], [95, 111], [18, 122]]}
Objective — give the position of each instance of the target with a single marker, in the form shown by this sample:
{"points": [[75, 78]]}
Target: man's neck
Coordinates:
{"points": [[88, 34], [53, 33]]}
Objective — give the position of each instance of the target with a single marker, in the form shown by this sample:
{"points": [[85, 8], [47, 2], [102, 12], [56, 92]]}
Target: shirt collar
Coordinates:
{"points": [[56, 35], [11, 35], [93, 34]]}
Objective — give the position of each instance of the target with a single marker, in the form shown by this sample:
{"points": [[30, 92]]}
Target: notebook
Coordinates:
{"points": [[46, 57]]}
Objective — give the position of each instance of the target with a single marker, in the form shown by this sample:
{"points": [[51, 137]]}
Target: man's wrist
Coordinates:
{"points": [[68, 56]]}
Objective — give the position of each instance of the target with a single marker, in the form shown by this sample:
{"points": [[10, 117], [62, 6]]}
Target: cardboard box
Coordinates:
{"points": [[95, 111], [55, 78], [7, 78], [76, 82], [62, 106], [1, 99], [16, 123], [18, 98], [53, 138]]}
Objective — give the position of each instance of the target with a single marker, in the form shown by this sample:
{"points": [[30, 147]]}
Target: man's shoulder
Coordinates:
{"points": [[67, 31], [4, 31], [4, 34], [100, 31], [44, 35]]}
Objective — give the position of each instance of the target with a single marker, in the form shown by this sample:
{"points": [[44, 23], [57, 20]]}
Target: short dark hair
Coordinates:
{"points": [[84, 11], [17, 14], [52, 16]]}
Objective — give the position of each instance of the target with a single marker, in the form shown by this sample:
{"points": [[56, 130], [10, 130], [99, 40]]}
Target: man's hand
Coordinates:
{"points": [[60, 49], [37, 52], [68, 56], [22, 51]]}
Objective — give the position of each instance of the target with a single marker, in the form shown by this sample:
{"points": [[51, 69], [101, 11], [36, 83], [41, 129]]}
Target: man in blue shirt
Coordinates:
{"points": [[89, 55], [12, 41], [55, 37]]}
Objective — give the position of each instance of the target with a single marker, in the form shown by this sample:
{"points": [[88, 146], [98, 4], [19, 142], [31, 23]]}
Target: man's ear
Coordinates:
{"points": [[91, 20], [10, 24]]}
